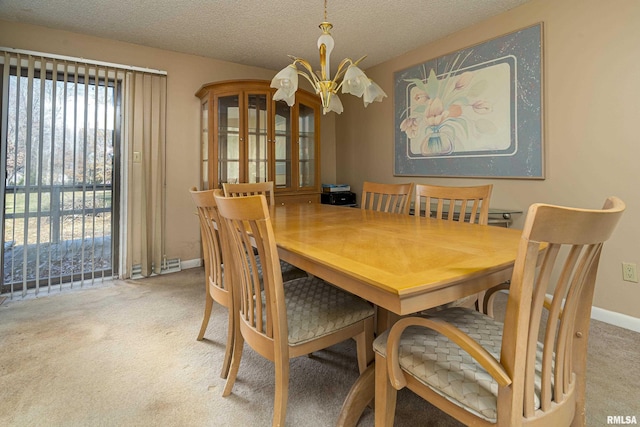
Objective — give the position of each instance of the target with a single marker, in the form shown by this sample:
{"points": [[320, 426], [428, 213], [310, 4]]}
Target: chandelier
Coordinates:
{"points": [[348, 77]]}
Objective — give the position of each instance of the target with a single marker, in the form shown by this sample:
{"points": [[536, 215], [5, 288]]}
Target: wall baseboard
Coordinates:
{"points": [[191, 263], [616, 319]]}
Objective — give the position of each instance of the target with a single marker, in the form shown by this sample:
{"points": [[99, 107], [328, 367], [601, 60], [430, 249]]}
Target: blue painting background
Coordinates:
{"points": [[526, 91]]}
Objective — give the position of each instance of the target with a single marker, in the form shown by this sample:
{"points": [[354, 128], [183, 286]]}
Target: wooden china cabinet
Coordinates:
{"points": [[246, 136]]}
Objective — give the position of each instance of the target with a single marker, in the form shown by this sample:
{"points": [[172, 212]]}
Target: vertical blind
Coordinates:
{"points": [[144, 134], [61, 144]]}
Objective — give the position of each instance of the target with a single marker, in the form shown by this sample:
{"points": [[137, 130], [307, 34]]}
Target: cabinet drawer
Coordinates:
{"points": [[297, 198]]}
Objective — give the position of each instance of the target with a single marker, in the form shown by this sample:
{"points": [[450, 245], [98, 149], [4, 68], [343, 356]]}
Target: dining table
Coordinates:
{"points": [[403, 264]]}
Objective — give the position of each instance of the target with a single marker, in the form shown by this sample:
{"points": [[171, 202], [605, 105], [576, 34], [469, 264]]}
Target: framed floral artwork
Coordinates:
{"points": [[476, 112]]}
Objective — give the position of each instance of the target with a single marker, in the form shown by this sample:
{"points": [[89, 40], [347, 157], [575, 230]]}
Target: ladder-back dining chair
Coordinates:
{"points": [[463, 204], [289, 271], [393, 198], [217, 289], [250, 189], [527, 371], [283, 320]]}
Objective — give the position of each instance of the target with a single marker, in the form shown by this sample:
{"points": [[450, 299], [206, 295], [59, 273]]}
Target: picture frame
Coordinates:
{"points": [[475, 112]]}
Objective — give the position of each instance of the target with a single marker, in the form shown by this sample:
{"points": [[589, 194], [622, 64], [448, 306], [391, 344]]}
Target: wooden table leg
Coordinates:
{"points": [[360, 396], [384, 319], [362, 392]]}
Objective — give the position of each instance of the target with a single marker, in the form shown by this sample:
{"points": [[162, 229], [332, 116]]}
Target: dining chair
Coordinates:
{"points": [[527, 371], [462, 204], [393, 198], [250, 189], [283, 320], [216, 288], [289, 271]]}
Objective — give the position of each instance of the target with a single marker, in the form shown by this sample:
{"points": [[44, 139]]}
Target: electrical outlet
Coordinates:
{"points": [[629, 272]]}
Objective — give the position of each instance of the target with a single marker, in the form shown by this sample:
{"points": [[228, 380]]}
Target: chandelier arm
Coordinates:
{"points": [[314, 82], [309, 75], [344, 62], [342, 69], [359, 60]]}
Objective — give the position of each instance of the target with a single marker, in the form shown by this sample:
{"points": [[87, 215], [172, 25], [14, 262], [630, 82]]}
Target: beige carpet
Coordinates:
{"points": [[125, 354]]}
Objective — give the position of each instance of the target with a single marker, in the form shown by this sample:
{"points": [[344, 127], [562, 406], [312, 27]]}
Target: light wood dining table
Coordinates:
{"points": [[401, 263]]}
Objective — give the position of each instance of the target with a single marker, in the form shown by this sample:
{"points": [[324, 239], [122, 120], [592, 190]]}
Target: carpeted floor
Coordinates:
{"points": [[125, 354]]}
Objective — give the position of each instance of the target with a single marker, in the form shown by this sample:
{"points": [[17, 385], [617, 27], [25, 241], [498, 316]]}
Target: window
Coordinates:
{"points": [[60, 134]]}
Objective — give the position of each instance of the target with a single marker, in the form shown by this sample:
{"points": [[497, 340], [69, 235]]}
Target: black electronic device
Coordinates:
{"points": [[339, 198]]}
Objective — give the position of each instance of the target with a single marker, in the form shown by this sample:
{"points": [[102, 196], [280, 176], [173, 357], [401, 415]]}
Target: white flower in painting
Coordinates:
{"points": [[435, 114], [482, 107], [421, 97], [442, 107], [410, 127], [463, 80]]}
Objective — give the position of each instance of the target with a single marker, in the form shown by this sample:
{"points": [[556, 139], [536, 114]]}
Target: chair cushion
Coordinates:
{"points": [[289, 271], [316, 308], [444, 367]]}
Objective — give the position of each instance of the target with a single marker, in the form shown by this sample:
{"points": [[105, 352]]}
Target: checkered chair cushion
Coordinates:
{"points": [[289, 271], [444, 367], [316, 308]]}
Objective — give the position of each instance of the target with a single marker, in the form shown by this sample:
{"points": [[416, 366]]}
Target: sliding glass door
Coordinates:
{"points": [[60, 135]]}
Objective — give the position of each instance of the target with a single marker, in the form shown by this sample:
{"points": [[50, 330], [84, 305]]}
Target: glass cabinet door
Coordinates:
{"points": [[257, 120], [247, 137], [229, 139], [204, 145], [282, 151], [306, 146]]}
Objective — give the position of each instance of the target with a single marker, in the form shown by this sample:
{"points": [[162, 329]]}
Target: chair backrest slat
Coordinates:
{"points": [[537, 304]]}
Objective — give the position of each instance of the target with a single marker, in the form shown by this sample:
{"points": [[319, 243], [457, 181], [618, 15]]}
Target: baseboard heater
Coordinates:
{"points": [[168, 266]]}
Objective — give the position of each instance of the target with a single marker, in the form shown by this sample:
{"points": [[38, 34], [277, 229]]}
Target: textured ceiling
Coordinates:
{"points": [[261, 32]]}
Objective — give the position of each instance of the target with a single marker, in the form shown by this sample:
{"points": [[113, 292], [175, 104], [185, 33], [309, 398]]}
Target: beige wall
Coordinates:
{"points": [[591, 115], [591, 69], [185, 75]]}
